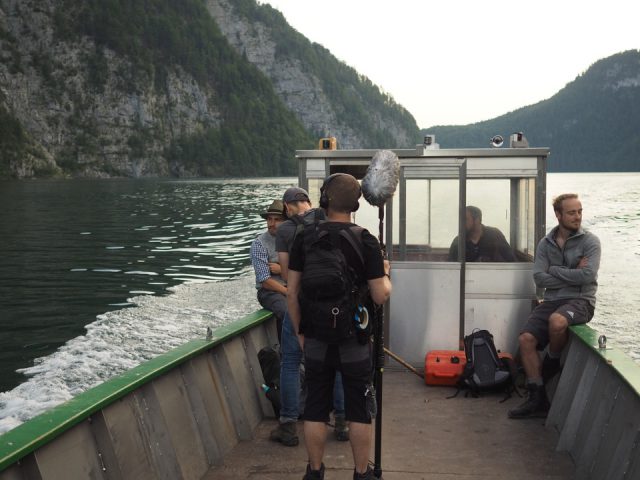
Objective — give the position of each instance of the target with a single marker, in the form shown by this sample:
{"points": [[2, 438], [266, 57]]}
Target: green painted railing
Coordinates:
{"points": [[619, 361], [31, 435]]}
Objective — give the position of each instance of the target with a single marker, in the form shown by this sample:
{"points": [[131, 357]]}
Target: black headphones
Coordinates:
{"points": [[324, 197]]}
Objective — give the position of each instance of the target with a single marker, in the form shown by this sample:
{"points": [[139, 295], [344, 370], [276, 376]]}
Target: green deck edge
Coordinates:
{"points": [[619, 361], [31, 435]]}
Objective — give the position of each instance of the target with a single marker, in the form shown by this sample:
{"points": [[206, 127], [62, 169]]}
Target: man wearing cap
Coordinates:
{"points": [[298, 209], [272, 289]]}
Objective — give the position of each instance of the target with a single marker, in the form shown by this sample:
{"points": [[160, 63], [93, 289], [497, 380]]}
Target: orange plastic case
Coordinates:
{"points": [[443, 367]]}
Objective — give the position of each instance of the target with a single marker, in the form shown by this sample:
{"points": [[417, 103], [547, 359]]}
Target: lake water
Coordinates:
{"points": [[100, 275]]}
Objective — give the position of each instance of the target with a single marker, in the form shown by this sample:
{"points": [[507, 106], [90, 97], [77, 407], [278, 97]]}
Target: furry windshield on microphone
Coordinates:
{"points": [[379, 183]]}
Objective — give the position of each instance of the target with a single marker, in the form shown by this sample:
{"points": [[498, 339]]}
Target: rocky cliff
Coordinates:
{"points": [[295, 80], [88, 88]]}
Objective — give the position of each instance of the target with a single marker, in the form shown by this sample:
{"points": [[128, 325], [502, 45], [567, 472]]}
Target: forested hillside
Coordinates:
{"points": [[329, 96], [592, 124], [154, 88]]}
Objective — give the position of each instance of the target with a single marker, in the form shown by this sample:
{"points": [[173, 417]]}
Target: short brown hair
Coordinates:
{"points": [[475, 213], [343, 193], [557, 201]]}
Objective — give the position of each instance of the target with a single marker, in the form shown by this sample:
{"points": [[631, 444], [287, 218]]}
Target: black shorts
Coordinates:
{"points": [[575, 310], [322, 361]]}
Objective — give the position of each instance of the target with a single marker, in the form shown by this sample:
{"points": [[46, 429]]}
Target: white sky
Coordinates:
{"points": [[462, 61]]}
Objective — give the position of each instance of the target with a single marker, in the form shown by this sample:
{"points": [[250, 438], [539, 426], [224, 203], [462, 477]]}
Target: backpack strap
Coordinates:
{"points": [[353, 235]]}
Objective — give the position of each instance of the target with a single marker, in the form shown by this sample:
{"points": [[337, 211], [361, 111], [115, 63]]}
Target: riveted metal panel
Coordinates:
{"points": [[619, 447], [157, 433], [176, 411], [106, 452], [597, 412], [226, 380], [196, 397], [22, 471], [247, 390], [128, 439], [216, 402], [567, 385], [25, 469], [578, 405], [597, 409], [12, 473], [74, 455]]}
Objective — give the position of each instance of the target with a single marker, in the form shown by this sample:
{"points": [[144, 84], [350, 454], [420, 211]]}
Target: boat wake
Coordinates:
{"points": [[120, 340]]}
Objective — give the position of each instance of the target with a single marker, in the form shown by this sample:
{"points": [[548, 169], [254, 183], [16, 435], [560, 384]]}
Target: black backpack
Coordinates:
{"points": [[310, 217], [330, 290], [485, 370], [269, 359]]}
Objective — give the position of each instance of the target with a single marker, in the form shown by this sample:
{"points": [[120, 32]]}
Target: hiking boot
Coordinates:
{"points": [[536, 405], [368, 475], [341, 430], [286, 434], [550, 367], [314, 474]]}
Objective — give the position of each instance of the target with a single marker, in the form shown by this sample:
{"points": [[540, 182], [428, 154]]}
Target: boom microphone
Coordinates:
{"points": [[378, 185], [380, 182]]}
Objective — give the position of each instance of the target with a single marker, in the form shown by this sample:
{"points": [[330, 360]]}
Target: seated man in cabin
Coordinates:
{"points": [[329, 345], [272, 290], [566, 266], [483, 243]]}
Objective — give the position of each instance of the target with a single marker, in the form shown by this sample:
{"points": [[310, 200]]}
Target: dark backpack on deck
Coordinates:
{"points": [[485, 370], [330, 290], [269, 359]]}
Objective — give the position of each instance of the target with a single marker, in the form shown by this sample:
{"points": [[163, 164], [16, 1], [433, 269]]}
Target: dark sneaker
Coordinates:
{"points": [[314, 474], [286, 434], [550, 367], [368, 475], [341, 430], [536, 404]]}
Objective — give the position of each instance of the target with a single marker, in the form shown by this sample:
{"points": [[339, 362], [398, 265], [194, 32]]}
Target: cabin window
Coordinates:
{"points": [[508, 205], [525, 220], [424, 228]]}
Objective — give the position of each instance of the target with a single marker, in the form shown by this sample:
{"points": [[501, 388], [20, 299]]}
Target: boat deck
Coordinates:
{"points": [[425, 436]]}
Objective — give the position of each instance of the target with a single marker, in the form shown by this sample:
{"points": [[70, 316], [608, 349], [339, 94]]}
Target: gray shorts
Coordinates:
{"points": [[321, 362], [575, 310]]}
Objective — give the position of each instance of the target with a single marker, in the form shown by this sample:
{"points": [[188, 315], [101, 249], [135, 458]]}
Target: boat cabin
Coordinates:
{"points": [[443, 296]]}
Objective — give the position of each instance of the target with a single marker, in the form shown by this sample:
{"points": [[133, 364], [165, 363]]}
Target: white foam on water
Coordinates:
{"points": [[122, 339]]}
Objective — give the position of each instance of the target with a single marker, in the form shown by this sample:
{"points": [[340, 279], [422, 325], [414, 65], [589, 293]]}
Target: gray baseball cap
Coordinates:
{"points": [[295, 194]]}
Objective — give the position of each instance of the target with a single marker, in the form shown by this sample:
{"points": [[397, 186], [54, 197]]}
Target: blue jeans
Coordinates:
{"points": [[291, 357]]}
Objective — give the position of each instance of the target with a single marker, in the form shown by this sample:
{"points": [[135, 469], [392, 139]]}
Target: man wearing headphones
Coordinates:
{"points": [[339, 197]]}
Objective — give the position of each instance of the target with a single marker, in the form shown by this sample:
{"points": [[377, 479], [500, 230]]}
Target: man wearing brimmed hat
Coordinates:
{"points": [[272, 290]]}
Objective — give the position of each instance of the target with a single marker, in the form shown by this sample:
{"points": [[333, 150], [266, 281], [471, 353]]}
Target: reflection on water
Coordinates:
{"points": [[70, 250]]}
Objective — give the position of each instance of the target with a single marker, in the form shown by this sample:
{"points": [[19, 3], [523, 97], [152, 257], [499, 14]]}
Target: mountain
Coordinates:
{"points": [[174, 87], [589, 125]]}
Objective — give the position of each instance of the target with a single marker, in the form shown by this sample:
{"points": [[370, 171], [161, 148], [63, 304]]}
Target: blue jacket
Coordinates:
{"points": [[554, 269]]}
